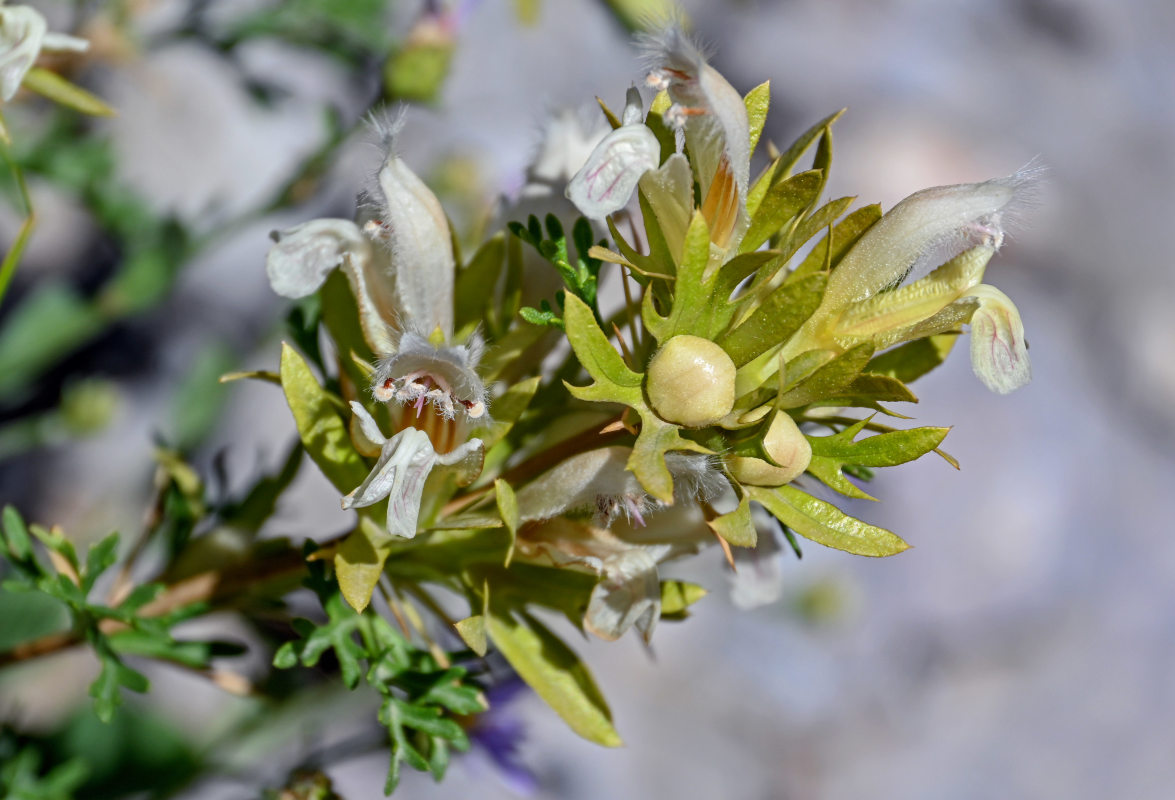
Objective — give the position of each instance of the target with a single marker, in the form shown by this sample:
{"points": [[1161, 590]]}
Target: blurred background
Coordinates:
{"points": [[1023, 648]]}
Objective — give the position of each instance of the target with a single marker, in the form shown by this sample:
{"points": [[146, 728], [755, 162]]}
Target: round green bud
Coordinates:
{"points": [[784, 445], [787, 447], [690, 382]]}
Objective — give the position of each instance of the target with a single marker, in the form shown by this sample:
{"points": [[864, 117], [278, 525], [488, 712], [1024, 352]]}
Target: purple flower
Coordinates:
{"points": [[499, 733]]}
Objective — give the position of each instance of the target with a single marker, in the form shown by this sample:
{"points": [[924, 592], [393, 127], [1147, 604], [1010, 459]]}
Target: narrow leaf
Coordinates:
{"points": [[826, 524], [556, 674]]}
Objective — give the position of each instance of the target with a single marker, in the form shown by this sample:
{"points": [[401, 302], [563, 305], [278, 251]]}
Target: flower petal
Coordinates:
{"points": [[605, 183], [304, 255], [410, 219], [22, 34], [628, 595], [399, 475], [368, 425], [999, 352]]}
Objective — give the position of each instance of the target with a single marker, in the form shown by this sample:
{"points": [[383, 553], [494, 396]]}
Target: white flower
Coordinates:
{"points": [[23, 35], [605, 183], [405, 461], [399, 261]]}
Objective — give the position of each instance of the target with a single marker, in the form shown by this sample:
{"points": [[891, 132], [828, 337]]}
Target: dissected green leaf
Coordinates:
{"points": [[556, 674], [824, 523]]}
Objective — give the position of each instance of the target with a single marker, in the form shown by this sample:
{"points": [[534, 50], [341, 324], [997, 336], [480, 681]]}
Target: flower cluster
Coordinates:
{"points": [[709, 399]]}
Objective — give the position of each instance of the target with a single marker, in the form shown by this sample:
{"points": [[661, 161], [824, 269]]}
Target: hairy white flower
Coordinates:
{"points": [[24, 33], [399, 261], [405, 461], [446, 377], [605, 183]]}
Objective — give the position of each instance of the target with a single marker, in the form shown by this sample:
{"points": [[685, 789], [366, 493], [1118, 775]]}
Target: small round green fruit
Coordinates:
{"points": [[690, 382]]}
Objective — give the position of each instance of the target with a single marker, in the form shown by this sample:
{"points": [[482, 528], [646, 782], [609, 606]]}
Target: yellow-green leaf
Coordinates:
{"points": [[736, 527], [359, 562], [783, 202], [472, 631], [508, 509], [757, 101], [830, 379], [677, 596], [824, 523], [323, 432], [59, 90], [556, 674]]}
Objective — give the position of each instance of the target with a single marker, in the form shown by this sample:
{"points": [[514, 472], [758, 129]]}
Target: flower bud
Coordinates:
{"points": [[784, 445], [691, 382]]}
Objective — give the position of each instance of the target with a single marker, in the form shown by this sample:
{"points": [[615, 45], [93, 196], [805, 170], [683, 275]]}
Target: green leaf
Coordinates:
{"points": [[556, 674], [788, 160], [106, 689], [880, 450], [736, 527], [99, 558], [824, 523], [782, 202], [829, 379], [475, 289], [912, 360], [323, 432], [691, 312], [757, 101], [844, 235], [359, 563], [820, 219], [473, 632], [775, 321], [49, 323], [508, 509], [592, 348], [16, 535], [59, 90], [677, 596]]}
